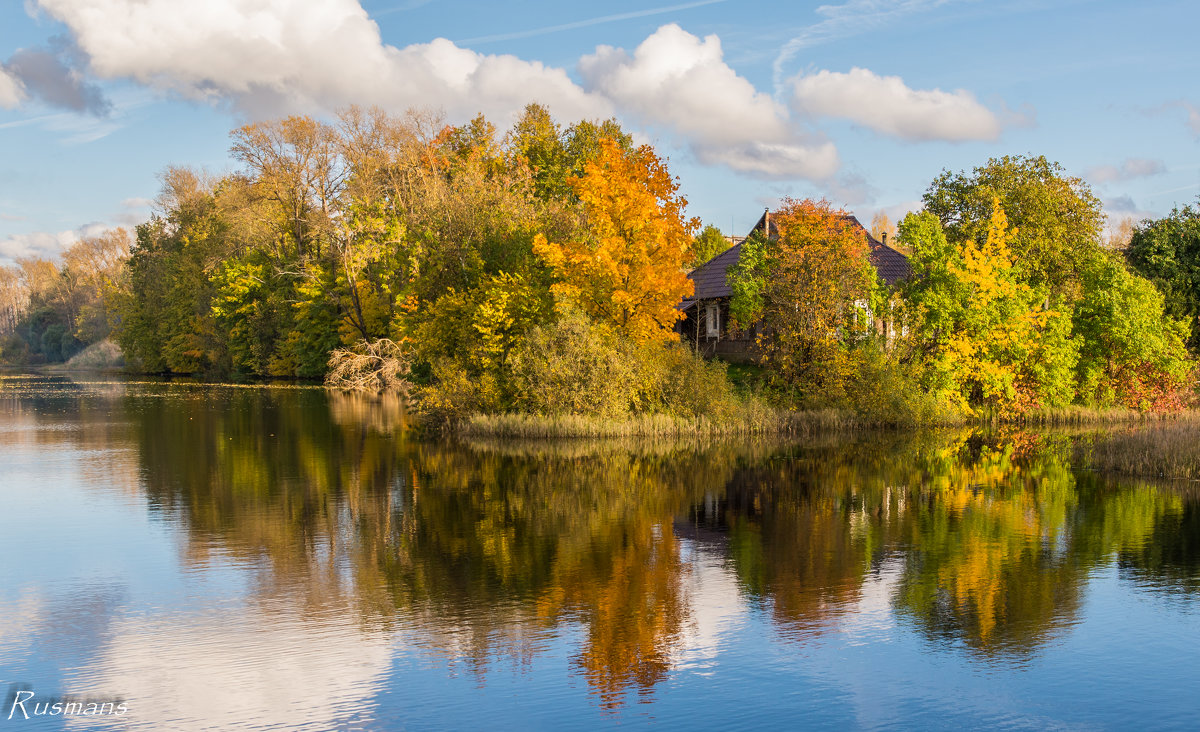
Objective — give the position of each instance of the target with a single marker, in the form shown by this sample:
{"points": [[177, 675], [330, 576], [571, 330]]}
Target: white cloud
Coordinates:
{"points": [[679, 81], [44, 244], [887, 105], [850, 19], [1128, 170], [270, 57], [11, 93], [275, 56]]}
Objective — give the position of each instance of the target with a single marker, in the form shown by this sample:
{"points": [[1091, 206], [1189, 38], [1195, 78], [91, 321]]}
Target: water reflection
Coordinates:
{"points": [[487, 552]]}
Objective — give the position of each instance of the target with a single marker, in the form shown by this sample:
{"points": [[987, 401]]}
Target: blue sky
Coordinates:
{"points": [[863, 101]]}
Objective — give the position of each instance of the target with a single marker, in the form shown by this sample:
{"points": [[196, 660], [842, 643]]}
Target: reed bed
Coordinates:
{"points": [[1075, 416], [1168, 450], [750, 421]]}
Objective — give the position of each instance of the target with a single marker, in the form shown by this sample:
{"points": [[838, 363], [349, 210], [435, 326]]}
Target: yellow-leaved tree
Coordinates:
{"points": [[999, 325], [626, 270]]}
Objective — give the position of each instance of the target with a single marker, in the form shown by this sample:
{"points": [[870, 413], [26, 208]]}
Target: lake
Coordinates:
{"points": [[282, 557]]}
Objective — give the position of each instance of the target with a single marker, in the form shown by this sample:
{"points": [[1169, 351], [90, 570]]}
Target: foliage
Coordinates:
{"points": [[626, 269], [984, 334], [805, 286], [49, 311], [483, 325], [1133, 354], [555, 155], [885, 390], [574, 367], [708, 243], [1057, 218], [747, 279], [1167, 252]]}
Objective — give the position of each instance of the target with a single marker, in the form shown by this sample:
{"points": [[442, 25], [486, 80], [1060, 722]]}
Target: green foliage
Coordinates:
{"points": [[481, 326], [885, 389], [1132, 353], [1057, 218], [574, 367], [708, 243], [983, 335], [1098, 334], [1167, 252], [747, 278]]}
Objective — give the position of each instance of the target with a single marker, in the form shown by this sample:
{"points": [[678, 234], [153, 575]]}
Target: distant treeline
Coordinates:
{"points": [[539, 271]]}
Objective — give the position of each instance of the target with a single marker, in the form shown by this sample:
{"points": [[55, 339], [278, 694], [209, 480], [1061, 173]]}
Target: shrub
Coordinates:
{"points": [[574, 367]]}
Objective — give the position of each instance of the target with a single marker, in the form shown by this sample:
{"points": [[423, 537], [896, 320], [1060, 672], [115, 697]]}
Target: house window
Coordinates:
{"points": [[863, 317], [712, 316]]}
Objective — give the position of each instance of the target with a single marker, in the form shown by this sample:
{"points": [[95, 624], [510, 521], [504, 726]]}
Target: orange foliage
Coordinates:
{"points": [[627, 271]]}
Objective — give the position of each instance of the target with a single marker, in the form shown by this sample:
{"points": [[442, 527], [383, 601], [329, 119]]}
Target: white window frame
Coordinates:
{"points": [[712, 318]]}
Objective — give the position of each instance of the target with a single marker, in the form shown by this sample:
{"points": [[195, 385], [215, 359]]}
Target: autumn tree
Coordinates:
{"points": [[1133, 353], [804, 285], [882, 227], [295, 166], [982, 331], [626, 269], [14, 298]]}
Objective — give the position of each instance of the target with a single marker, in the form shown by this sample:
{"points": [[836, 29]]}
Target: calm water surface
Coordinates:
{"points": [[254, 558]]}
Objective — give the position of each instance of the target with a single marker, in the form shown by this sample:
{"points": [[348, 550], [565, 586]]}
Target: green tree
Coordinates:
{"points": [[1057, 217], [983, 333], [1133, 353], [1167, 252], [708, 244]]}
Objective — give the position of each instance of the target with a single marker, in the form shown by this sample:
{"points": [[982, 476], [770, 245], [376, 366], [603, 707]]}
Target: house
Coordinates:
{"points": [[706, 323]]}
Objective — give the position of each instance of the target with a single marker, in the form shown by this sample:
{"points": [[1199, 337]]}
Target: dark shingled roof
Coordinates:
{"points": [[709, 277]]}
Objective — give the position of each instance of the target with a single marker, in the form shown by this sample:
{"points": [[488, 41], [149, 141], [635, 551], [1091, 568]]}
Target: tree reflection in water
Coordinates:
{"points": [[488, 551]]}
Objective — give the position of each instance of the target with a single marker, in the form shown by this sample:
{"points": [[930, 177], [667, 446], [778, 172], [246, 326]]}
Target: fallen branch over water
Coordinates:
{"points": [[376, 366]]}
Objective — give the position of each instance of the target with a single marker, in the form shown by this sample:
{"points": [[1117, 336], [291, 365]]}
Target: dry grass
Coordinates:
{"points": [[1168, 450], [1075, 416], [753, 419]]}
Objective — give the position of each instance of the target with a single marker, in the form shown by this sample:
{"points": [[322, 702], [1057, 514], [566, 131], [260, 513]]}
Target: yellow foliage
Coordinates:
{"points": [[1000, 322]]}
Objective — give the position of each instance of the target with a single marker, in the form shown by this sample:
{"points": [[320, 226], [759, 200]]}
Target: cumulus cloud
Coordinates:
{"points": [[887, 105], [271, 57], [851, 18], [681, 82], [45, 244], [275, 56], [11, 91], [54, 76], [1128, 170]]}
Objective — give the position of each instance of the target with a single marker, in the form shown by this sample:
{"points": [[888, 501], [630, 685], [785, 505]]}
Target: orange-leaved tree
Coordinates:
{"points": [[803, 285], [626, 269]]}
